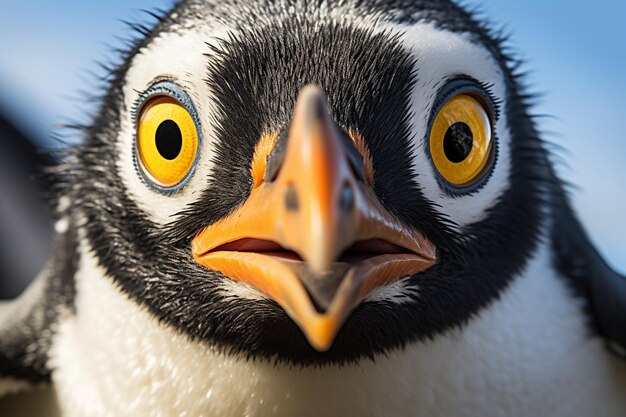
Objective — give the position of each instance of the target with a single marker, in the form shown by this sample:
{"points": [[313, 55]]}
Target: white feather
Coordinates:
{"points": [[443, 55], [529, 353], [183, 58]]}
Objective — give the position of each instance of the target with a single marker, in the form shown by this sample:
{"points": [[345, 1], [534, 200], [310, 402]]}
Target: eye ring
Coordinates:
{"points": [[165, 111], [462, 144]]}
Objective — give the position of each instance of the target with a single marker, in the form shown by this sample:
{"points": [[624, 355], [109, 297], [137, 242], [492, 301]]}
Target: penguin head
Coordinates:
{"points": [[312, 183]]}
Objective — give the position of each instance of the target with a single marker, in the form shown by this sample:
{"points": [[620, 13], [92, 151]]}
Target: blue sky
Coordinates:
{"points": [[575, 52]]}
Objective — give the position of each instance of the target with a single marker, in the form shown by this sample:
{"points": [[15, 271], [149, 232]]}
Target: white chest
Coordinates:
{"points": [[527, 354]]}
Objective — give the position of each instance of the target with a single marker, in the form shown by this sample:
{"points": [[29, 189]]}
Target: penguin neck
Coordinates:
{"points": [[114, 358]]}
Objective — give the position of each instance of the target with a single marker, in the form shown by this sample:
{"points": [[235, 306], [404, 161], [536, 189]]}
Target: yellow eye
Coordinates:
{"points": [[167, 141], [461, 140]]}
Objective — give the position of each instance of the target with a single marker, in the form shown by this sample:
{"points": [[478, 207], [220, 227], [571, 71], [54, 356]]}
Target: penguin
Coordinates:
{"points": [[316, 209]]}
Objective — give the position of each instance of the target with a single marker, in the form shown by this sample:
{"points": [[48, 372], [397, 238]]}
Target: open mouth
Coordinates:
{"points": [[319, 301], [314, 238], [355, 253], [389, 261]]}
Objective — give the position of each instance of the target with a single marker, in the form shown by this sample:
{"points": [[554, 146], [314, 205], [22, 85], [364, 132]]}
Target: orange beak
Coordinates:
{"points": [[315, 238]]}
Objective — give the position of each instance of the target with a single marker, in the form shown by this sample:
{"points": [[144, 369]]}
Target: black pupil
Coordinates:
{"points": [[169, 140], [457, 143]]}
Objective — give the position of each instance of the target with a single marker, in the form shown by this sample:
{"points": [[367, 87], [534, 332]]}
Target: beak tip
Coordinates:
{"points": [[321, 332], [320, 345]]}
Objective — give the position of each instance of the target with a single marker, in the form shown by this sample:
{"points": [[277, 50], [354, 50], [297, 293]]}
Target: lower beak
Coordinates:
{"points": [[315, 238]]}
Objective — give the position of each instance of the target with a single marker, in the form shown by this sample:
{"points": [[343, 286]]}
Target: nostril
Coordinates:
{"points": [[291, 198], [346, 197], [276, 157], [355, 159]]}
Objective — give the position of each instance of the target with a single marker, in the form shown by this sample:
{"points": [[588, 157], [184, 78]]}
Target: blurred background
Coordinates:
{"points": [[575, 53]]}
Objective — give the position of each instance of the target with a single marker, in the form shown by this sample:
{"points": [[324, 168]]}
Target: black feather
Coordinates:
{"points": [[255, 76]]}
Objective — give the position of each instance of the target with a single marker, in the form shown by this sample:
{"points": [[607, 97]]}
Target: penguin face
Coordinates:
{"points": [[389, 200]]}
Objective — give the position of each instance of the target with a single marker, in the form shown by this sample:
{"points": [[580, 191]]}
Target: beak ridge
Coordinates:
{"points": [[318, 178]]}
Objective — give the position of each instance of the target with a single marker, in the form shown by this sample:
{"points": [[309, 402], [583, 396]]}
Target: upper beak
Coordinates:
{"points": [[315, 238]]}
